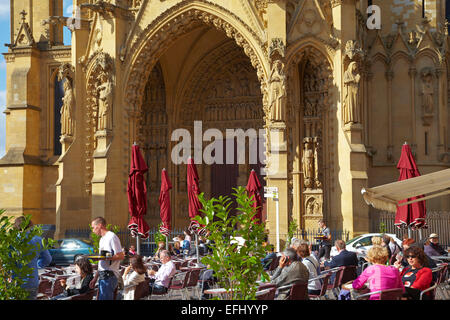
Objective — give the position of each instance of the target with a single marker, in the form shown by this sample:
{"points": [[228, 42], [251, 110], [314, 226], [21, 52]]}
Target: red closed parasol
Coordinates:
{"points": [[254, 189], [193, 192], [137, 195], [411, 215], [164, 203]]}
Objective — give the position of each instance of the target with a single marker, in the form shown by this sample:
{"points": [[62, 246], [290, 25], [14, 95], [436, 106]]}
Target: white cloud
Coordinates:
{"points": [[4, 9]]}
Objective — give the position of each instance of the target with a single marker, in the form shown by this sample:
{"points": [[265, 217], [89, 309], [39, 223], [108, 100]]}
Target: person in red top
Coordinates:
{"points": [[415, 277]]}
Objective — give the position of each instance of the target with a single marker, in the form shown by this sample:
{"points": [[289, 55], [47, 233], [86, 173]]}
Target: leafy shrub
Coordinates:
{"points": [[15, 255], [237, 268]]}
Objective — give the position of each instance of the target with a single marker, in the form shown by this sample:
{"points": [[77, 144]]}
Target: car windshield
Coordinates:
{"points": [[87, 241], [351, 240]]}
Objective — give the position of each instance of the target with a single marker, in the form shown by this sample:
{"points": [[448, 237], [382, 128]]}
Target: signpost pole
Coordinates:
{"points": [[272, 192]]}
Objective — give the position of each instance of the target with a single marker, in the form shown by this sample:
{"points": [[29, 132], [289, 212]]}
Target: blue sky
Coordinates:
{"points": [[5, 38]]}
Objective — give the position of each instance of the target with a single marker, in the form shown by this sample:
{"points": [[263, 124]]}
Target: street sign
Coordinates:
{"points": [[270, 189], [271, 192]]}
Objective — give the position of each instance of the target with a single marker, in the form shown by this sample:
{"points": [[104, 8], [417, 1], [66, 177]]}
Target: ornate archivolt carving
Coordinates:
{"points": [[223, 89], [146, 52]]}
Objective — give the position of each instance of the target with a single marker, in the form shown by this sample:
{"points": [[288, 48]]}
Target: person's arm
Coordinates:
{"points": [[93, 281], [131, 279], [359, 282], [423, 279], [44, 259]]}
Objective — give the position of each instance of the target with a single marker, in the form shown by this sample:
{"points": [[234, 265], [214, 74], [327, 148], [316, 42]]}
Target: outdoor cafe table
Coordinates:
{"points": [[221, 292]]}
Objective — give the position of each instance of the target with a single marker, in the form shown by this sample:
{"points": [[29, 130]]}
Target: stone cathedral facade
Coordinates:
{"points": [[335, 99]]}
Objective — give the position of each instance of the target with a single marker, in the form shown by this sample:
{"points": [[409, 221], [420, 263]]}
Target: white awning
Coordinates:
{"points": [[386, 196]]}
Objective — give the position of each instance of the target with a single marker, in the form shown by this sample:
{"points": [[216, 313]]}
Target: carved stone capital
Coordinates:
{"points": [[412, 72], [389, 75], [335, 3]]}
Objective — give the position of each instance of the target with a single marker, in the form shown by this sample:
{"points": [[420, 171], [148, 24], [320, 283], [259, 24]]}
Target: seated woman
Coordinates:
{"points": [[132, 276], [378, 274], [83, 267], [415, 277], [177, 247], [313, 267], [161, 246]]}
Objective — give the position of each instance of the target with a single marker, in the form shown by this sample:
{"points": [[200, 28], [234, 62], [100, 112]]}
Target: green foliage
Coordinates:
{"points": [[159, 237], [237, 268], [15, 255], [292, 229], [383, 228]]}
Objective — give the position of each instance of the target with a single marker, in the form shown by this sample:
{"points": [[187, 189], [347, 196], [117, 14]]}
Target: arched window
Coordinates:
{"points": [[58, 95]]}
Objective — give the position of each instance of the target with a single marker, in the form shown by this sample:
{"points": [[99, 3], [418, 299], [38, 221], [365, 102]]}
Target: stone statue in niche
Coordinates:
{"points": [[105, 95], [67, 109], [316, 162], [310, 206], [427, 93], [308, 163], [350, 112], [277, 91]]}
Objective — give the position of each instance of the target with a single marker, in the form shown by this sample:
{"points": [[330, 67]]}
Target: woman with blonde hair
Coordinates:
{"points": [[377, 241], [379, 275]]}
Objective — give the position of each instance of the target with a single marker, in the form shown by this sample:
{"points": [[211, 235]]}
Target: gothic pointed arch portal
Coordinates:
{"points": [[205, 70], [311, 105]]}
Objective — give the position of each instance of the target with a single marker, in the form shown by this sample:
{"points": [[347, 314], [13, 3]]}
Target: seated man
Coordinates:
{"points": [[289, 271], [343, 258], [433, 248], [159, 280], [270, 255]]}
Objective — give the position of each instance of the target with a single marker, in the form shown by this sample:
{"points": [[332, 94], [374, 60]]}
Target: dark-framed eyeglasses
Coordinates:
{"points": [[411, 257]]}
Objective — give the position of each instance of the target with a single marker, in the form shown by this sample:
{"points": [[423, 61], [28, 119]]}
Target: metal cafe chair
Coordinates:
{"points": [[325, 278], [388, 294]]}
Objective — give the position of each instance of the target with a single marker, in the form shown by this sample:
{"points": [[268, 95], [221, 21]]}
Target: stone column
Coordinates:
{"points": [[276, 133], [72, 201], [353, 213]]}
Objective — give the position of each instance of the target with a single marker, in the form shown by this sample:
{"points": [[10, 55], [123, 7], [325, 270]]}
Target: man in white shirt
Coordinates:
{"points": [[159, 280], [108, 269]]}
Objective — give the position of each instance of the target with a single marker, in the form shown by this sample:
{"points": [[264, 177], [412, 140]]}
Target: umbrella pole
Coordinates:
{"points": [[167, 243], [196, 245], [409, 232], [420, 234], [138, 247]]}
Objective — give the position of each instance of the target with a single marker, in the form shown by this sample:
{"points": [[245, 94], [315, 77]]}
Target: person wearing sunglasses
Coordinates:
{"points": [[416, 277]]}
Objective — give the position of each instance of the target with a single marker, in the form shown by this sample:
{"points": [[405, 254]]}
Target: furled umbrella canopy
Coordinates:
{"points": [[254, 189], [413, 214], [164, 203], [137, 195], [194, 202]]}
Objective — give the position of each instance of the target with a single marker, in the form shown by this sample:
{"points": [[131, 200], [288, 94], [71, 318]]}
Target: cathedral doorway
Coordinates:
{"points": [[203, 78]]}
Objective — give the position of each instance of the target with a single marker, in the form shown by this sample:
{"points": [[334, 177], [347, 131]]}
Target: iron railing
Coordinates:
{"points": [[437, 221]]}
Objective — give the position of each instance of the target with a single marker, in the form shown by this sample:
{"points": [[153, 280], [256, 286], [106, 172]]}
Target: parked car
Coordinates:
{"points": [[66, 251], [362, 244]]}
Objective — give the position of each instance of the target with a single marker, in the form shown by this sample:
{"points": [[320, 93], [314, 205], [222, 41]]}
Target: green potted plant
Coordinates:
{"points": [[236, 267]]}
